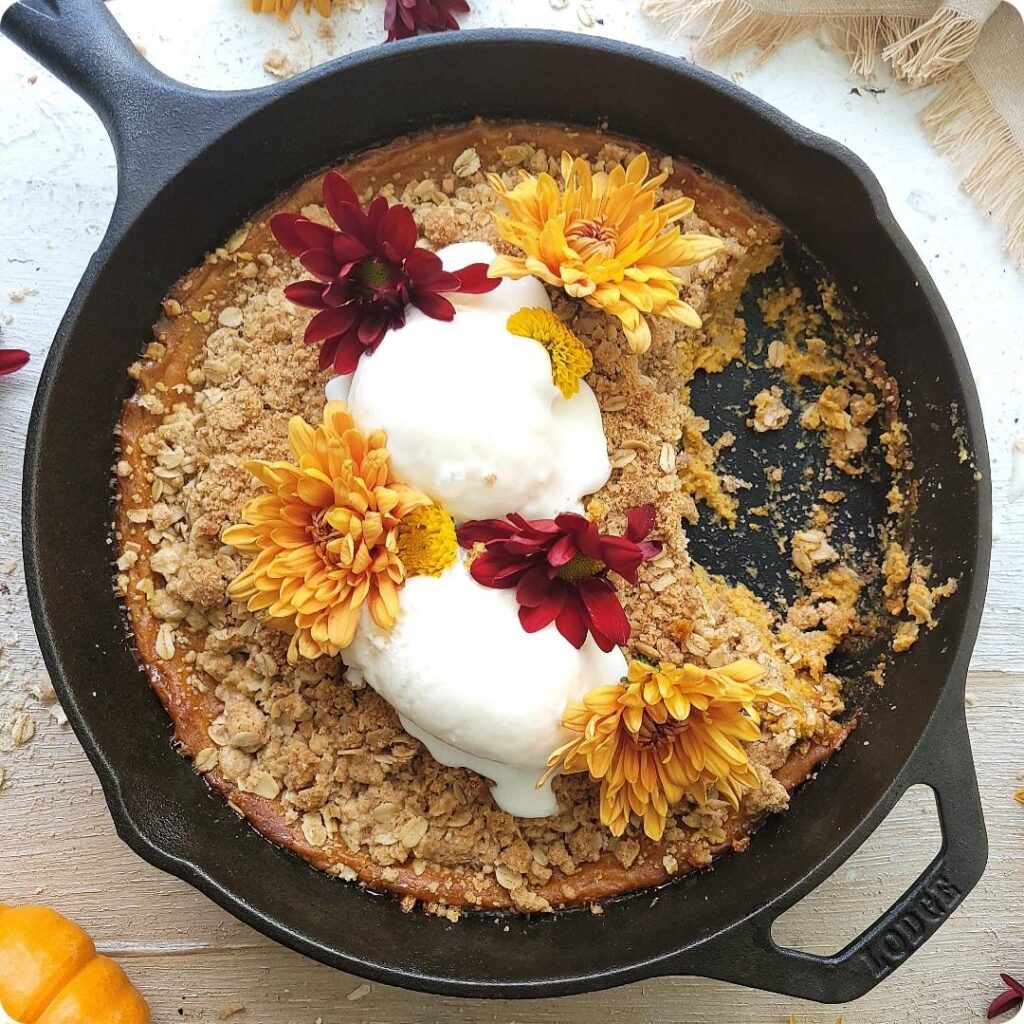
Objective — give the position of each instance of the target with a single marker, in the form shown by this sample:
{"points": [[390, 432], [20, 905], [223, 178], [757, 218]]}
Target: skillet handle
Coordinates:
{"points": [[749, 955], [156, 124]]}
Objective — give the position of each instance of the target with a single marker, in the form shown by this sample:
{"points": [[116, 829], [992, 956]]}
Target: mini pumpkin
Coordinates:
{"points": [[50, 973]]}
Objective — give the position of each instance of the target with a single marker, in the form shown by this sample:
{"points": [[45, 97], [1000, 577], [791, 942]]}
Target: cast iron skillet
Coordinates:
{"points": [[191, 165]]}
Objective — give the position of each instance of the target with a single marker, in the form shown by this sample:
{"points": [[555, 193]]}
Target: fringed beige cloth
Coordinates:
{"points": [[973, 50]]}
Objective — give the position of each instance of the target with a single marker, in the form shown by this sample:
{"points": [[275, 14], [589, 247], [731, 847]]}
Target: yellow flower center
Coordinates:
{"points": [[580, 567], [592, 239], [427, 543], [570, 359]]}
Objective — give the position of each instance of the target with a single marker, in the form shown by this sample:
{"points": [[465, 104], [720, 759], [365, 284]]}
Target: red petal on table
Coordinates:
{"points": [[650, 549], [12, 360], [352, 221], [1002, 1003], [473, 280], [591, 541]]}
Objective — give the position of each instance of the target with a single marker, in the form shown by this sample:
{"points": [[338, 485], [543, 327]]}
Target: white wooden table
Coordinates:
{"points": [[192, 960]]}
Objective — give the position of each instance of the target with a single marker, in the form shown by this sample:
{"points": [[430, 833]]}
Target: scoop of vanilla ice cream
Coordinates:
{"points": [[472, 416], [474, 687]]}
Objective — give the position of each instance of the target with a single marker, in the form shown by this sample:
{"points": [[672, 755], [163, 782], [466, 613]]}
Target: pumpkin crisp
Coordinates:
{"points": [[320, 763]]}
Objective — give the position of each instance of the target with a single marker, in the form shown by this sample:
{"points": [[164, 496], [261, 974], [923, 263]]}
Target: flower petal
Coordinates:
{"points": [[309, 294], [640, 521], [424, 267], [563, 551], [491, 570], [348, 249], [396, 234], [571, 622], [536, 587], [534, 619], [321, 263], [282, 227], [435, 306], [337, 192], [483, 531], [12, 360], [607, 620], [329, 323], [473, 280]]}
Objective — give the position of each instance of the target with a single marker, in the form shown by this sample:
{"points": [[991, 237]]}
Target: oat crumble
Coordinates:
{"points": [[321, 762]]}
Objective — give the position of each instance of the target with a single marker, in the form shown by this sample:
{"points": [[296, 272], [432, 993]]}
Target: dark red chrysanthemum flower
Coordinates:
{"points": [[1009, 1000], [560, 568], [404, 18], [368, 270], [11, 360]]}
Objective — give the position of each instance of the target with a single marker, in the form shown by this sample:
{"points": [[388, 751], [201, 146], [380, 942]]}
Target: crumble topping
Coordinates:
{"points": [[329, 751]]}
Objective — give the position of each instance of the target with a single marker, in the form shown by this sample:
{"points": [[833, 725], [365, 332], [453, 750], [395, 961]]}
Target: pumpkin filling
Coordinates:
{"points": [[427, 503]]}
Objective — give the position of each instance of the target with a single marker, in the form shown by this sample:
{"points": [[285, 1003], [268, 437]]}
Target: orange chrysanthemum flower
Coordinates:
{"points": [[663, 734], [282, 8], [325, 536], [604, 239]]}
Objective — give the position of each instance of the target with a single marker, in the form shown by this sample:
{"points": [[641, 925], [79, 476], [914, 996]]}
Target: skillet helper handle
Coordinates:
{"points": [[942, 760], [156, 124]]}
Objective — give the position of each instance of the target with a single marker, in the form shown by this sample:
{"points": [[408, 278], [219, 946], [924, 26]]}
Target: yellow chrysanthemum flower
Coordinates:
{"points": [[664, 733], [282, 8], [427, 543], [571, 360], [604, 239], [325, 536]]}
